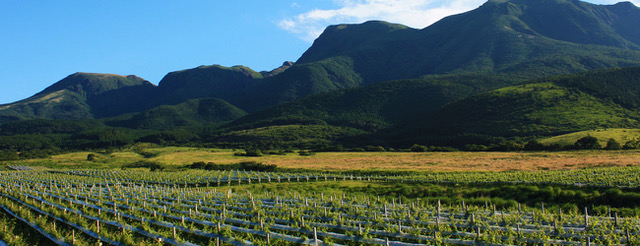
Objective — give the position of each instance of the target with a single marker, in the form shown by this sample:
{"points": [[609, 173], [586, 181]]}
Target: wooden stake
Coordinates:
{"points": [[315, 236]]}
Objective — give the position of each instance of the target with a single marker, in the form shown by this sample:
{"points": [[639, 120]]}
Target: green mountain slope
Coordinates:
{"points": [[374, 107], [206, 81], [190, 113], [452, 110], [540, 109], [620, 85], [79, 96]]}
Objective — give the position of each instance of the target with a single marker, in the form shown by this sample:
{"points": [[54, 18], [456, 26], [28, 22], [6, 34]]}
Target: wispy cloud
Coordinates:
{"points": [[413, 13]]}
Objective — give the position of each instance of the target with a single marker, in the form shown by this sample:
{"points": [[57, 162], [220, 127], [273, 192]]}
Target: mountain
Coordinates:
{"points": [[81, 96], [522, 38], [286, 65], [206, 81], [189, 113]]}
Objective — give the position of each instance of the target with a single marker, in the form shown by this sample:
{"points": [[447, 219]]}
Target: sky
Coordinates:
{"points": [[42, 42]]}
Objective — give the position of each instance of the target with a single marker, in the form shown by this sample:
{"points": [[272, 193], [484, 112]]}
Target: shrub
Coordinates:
{"points": [[250, 153], [247, 166], [153, 166], [612, 144], [306, 153], [418, 148], [587, 142], [534, 145], [632, 144]]}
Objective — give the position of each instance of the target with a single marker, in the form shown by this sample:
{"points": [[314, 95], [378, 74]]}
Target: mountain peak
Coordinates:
{"points": [[91, 84], [285, 65], [339, 38]]}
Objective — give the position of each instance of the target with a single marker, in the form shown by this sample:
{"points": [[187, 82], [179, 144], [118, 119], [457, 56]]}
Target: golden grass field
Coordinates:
{"points": [[367, 161]]}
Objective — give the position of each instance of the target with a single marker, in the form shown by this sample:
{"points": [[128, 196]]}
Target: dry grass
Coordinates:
{"points": [[389, 161], [364, 161]]}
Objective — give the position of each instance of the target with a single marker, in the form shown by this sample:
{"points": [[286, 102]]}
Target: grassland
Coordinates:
{"points": [[176, 157], [603, 135]]}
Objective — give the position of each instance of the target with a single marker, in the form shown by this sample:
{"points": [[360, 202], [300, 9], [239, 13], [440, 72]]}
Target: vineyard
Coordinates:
{"points": [[109, 207]]}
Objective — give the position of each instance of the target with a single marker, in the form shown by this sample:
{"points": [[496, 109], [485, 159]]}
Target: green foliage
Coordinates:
{"points": [[190, 113], [276, 137], [418, 148], [306, 153], [587, 142], [612, 144], [621, 85], [9, 155], [173, 137], [104, 138], [632, 144], [534, 145], [250, 153], [621, 135], [153, 166], [518, 111], [42, 127], [246, 166]]}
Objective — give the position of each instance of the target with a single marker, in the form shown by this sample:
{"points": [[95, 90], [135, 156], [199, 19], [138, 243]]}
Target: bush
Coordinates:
{"points": [[250, 153], [632, 144], [475, 147], [247, 166], [534, 145], [418, 148], [257, 166], [371, 148], [306, 153], [612, 144], [587, 142], [153, 166]]}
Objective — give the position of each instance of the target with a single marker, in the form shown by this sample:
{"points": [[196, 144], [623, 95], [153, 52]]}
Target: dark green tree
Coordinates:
{"points": [[534, 145], [612, 144], [587, 142], [418, 148]]}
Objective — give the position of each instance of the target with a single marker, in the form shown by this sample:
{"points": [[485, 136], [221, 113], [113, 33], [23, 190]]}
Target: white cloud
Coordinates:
{"points": [[636, 2], [413, 13]]}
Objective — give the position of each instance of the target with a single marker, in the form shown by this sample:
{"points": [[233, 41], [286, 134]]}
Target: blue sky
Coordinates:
{"points": [[41, 42]]}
